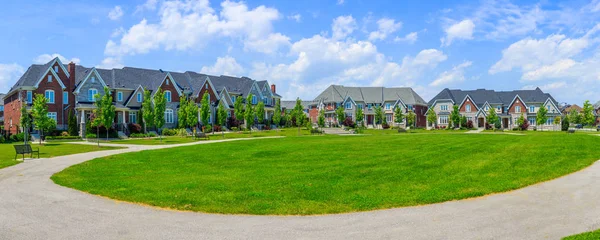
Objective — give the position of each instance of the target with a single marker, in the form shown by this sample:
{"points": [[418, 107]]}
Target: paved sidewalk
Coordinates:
{"points": [[33, 207]]}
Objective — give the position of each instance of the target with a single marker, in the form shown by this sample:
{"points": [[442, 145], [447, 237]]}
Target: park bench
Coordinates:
{"points": [[201, 135], [25, 149], [571, 131]]}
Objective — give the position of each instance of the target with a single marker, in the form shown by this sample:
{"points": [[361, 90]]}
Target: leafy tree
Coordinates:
{"points": [[541, 116], [455, 116], [72, 124], [411, 118], [492, 117], [147, 110], [463, 121], [238, 108], [107, 110], [260, 112], [431, 117], [277, 113], [360, 116], [497, 124], [340, 114], [192, 114], [398, 115], [556, 121], [588, 117], [221, 115], [321, 119], [160, 106], [25, 122], [204, 110], [249, 113], [39, 112], [96, 117], [299, 113], [565, 124], [182, 113], [522, 122], [574, 117], [378, 115]]}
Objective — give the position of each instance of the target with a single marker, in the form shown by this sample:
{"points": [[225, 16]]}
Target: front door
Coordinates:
{"points": [[481, 123], [119, 118], [505, 123]]}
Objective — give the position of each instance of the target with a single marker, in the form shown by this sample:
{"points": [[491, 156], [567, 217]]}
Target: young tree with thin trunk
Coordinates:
{"points": [[39, 112], [378, 115], [340, 115], [96, 118], [492, 117], [72, 124], [221, 115], [25, 123], [204, 110], [107, 111], [160, 106], [260, 112], [411, 118], [299, 112], [398, 115], [431, 117], [238, 109], [541, 116], [147, 110], [182, 113], [277, 113], [360, 116], [588, 117], [249, 113], [455, 116], [191, 114], [321, 119]]}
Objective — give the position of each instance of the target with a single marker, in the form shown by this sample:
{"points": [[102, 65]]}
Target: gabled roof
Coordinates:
{"points": [[480, 96], [338, 93]]}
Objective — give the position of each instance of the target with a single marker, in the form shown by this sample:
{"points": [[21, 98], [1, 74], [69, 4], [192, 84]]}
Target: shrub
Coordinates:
{"points": [[19, 137], [134, 128], [151, 134], [2, 139], [182, 132], [385, 126], [64, 134], [267, 127], [217, 128], [138, 135], [349, 123], [524, 126], [470, 124], [90, 135], [63, 137], [565, 124], [207, 129], [235, 129], [169, 132]]}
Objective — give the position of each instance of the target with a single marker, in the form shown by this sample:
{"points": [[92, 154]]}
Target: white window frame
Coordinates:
{"points": [[169, 116], [93, 79], [348, 105], [56, 69], [29, 97], [50, 96], [53, 116], [443, 120], [65, 97], [444, 107], [468, 108], [254, 100], [168, 95], [532, 123], [517, 109], [92, 94], [139, 97], [132, 117], [532, 109], [120, 96], [388, 106]]}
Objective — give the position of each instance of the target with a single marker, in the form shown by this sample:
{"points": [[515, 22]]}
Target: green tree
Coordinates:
{"points": [[299, 113], [340, 114], [277, 113], [575, 117], [25, 122], [431, 117], [160, 106], [192, 114], [411, 118], [463, 121], [556, 121], [72, 124], [541, 116], [221, 115], [398, 115], [492, 117], [39, 112], [238, 108], [260, 112], [96, 118], [107, 110], [521, 121], [249, 113], [360, 116], [321, 119], [565, 124], [455, 116], [147, 110], [182, 113], [204, 110], [378, 115], [588, 117]]}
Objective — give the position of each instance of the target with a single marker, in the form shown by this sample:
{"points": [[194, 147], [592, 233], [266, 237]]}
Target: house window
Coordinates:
{"points": [[388, 117], [550, 121], [133, 117], [360, 106], [348, 105], [549, 108], [444, 107], [468, 108], [410, 107], [505, 109], [167, 81], [487, 108], [29, 97], [499, 109], [369, 106], [388, 106], [531, 109], [169, 116], [168, 95], [52, 115], [254, 101], [1, 108], [56, 69], [49, 96], [92, 94], [518, 109], [49, 78], [65, 97], [531, 120], [232, 98], [139, 97], [120, 96], [93, 79], [443, 120]]}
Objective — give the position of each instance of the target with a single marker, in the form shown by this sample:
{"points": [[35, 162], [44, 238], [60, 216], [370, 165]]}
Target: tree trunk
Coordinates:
{"points": [[98, 136], [42, 132]]}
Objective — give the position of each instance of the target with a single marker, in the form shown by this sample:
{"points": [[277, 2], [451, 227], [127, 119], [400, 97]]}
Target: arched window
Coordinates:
{"points": [[169, 116], [49, 96], [168, 95], [92, 94]]}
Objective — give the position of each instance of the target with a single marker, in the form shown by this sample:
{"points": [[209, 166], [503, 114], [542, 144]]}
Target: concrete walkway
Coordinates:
{"points": [[33, 207]]}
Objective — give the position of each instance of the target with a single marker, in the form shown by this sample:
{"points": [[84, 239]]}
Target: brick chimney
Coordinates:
{"points": [[273, 88], [71, 83]]}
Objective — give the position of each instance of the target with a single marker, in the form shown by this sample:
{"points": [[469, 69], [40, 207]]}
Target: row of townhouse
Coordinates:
{"points": [[71, 87], [509, 106], [367, 99]]}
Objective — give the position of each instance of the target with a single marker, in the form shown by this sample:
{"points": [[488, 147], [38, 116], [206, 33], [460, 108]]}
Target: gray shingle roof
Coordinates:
{"points": [[480, 96], [2, 95], [292, 104], [338, 93]]}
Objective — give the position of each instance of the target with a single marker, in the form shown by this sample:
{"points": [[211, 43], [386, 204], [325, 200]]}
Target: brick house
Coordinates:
{"points": [[367, 98], [72, 87], [509, 105]]}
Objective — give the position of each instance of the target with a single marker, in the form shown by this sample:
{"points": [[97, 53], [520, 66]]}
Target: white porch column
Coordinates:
{"points": [[82, 124], [124, 120], [82, 116]]}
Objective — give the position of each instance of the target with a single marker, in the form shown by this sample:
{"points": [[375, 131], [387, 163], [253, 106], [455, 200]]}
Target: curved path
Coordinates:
{"points": [[33, 207]]}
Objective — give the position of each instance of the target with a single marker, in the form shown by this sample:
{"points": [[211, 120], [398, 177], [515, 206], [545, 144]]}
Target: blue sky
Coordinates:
{"points": [[304, 46]]}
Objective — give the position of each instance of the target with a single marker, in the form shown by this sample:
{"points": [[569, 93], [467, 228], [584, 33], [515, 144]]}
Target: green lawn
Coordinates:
{"points": [[7, 151], [215, 136], [332, 174], [595, 235]]}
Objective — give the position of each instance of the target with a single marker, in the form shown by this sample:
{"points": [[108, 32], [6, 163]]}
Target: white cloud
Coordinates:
{"points": [[110, 63], [295, 17], [340, 2], [343, 26], [455, 75], [117, 32], [224, 66], [385, 27], [555, 70], [409, 38], [148, 5], [45, 58], [460, 30], [9, 74], [548, 87], [188, 25], [116, 13]]}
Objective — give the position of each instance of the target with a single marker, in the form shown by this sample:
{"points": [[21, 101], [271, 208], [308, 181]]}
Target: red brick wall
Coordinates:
{"points": [[211, 92], [313, 113], [512, 108], [421, 117], [12, 110], [170, 87], [58, 96], [463, 108]]}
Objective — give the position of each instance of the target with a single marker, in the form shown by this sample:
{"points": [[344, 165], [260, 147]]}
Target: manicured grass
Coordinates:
{"points": [[595, 235], [211, 136], [154, 141], [332, 174], [7, 151]]}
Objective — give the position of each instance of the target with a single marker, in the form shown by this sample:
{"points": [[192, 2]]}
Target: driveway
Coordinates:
{"points": [[33, 207]]}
